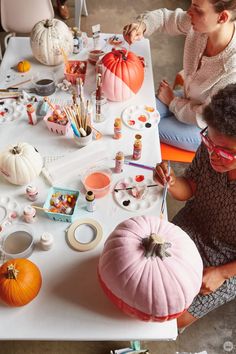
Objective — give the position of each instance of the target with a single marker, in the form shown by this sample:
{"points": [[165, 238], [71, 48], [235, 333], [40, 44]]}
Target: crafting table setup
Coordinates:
{"points": [[71, 305]]}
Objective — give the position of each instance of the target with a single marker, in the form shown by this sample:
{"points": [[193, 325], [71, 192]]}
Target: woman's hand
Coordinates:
{"points": [[134, 32], [212, 280], [161, 176], [165, 93]]}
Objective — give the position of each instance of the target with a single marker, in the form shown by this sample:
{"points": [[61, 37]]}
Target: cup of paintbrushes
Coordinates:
{"points": [[84, 137]]}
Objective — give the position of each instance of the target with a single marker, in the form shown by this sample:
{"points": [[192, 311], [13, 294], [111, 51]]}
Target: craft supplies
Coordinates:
{"points": [[139, 117], [100, 108], [137, 148], [164, 193], [98, 97], [77, 40], [95, 55], [120, 158], [85, 137], [18, 241], [42, 109], [32, 192], [32, 119], [57, 121], [135, 164], [117, 128], [90, 201], [44, 83], [136, 196], [96, 30], [46, 241], [75, 69], [98, 180], [29, 214], [61, 204], [84, 235]]}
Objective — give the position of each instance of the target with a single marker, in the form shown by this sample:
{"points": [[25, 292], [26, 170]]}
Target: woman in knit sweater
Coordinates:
{"points": [[209, 63]]}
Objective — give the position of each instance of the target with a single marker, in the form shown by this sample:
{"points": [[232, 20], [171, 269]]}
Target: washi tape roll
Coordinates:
{"points": [[81, 246]]}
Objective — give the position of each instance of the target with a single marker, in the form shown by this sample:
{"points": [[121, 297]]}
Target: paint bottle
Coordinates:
{"points": [[90, 201], [117, 128], [77, 40], [137, 150], [32, 192], [120, 158], [32, 118], [29, 214], [46, 241]]}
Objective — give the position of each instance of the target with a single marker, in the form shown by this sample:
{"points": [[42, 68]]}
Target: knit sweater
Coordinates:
{"points": [[203, 76]]}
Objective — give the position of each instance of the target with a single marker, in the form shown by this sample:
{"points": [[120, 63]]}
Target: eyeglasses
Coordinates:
{"points": [[223, 154]]}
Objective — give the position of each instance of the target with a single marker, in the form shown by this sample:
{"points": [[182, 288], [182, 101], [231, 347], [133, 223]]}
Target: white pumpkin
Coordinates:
{"points": [[47, 39], [20, 164]]}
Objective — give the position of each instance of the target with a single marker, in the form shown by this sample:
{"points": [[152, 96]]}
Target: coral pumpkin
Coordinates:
{"points": [[123, 74], [150, 269], [20, 282]]}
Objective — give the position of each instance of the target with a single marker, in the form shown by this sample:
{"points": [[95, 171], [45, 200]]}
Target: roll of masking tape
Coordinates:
{"points": [[73, 231]]}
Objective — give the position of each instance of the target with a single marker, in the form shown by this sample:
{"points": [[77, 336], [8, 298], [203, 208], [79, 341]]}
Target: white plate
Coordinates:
{"points": [[8, 208], [10, 110], [140, 117], [126, 200]]}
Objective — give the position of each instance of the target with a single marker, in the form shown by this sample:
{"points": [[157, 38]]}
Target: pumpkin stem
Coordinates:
{"points": [[48, 23], [15, 150], [12, 272], [155, 246]]}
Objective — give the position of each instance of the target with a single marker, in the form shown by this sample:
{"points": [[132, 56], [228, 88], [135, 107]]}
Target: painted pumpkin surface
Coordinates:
{"points": [[123, 75], [150, 268]]}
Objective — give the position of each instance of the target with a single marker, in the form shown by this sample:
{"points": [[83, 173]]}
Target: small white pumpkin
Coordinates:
{"points": [[20, 164], [47, 39]]}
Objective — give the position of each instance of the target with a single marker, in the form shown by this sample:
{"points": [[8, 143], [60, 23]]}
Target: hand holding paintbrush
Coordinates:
{"points": [[134, 31], [163, 176]]}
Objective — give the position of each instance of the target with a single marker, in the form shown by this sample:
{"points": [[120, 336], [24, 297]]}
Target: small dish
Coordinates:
{"points": [[18, 241], [95, 55], [98, 180], [44, 83]]}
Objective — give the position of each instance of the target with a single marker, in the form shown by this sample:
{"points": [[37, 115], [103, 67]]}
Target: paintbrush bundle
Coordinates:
{"points": [[70, 166]]}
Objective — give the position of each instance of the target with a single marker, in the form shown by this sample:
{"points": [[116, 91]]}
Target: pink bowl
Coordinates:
{"points": [[98, 180]]}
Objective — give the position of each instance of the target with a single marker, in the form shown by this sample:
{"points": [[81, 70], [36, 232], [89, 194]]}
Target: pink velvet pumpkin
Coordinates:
{"points": [[123, 75], [150, 268]]}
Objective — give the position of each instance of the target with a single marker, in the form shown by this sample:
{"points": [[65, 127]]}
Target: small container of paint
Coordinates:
{"points": [[120, 159], [32, 118], [117, 128], [46, 241], [32, 192], [90, 201], [137, 149], [29, 214]]}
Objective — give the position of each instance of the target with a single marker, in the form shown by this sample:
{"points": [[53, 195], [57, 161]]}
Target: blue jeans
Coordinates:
{"points": [[176, 133]]}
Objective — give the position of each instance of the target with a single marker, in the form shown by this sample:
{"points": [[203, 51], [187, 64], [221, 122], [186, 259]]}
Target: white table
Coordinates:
{"points": [[71, 304]]}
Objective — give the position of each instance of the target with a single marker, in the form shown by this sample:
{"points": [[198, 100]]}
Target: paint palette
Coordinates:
{"points": [[140, 117], [146, 199], [9, 211], [10, 110]]}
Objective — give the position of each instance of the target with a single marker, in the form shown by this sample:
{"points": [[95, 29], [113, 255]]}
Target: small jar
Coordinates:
{"points": [[32, 118], [137, 148], [29, 214], [46, 241], [100, 108], [77, 40], [90, 201], [117, 128], [32, 192], [120, 158]]}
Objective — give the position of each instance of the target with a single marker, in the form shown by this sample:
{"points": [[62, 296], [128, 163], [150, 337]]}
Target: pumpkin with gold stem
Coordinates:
{"points": [[20, 282]]}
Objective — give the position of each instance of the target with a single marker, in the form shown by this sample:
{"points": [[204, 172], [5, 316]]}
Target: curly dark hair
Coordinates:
{"points": [[221, 5], [220, 114]]}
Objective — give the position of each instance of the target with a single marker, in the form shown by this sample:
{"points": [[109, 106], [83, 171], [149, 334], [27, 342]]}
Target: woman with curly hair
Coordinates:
{"points": [[209, 215], [209, 63]]}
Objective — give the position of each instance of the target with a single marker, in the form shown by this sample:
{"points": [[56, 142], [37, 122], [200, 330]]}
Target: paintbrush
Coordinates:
{"points": [[129, 188], [40, 208], [146, 167], [164, 193], [66, 62], [49, 103], [19, 84], [98, 97]]}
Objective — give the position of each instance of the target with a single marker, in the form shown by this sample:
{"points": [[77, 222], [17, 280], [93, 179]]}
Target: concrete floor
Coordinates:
{"points": [[217, 328]]}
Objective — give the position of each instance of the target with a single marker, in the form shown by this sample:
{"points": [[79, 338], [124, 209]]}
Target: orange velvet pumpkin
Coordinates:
{"points": [[20, 282], [23, 66]]}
